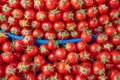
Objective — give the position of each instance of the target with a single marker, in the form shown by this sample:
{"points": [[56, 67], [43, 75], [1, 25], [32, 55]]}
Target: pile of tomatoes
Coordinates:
{"points": [[54, 20]]}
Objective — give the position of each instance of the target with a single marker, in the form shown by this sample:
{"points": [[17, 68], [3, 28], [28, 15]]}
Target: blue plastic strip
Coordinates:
{"points": [[38, 42]]}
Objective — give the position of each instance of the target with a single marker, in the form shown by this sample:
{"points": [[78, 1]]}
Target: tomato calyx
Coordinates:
{"points": [[13, 45], [99, 29], [24, 23], [5, 8], [63, 34], [103, 6], [103, 37], [5, 54], [85, 55], [14, 31], [37, 3], [25, 3], [26, 39], [62, 2], [15, 15], [87, 31], [71, 28], [104, 59], [82, 11], [118, 58], [70, 15], [42, 49], [68, 67], [2, 18], [41, 16], [10, 20], [107, 45], [118, 47], [117, 21], [118, 77], [34, 66], [101, 72], [29, 48], [95, 9], [115, 15], [4, 78], [54, 77], [23, 68], [12, 2], [83, 70], [73, 33], [48, 67], [103, 77], [56, 43], [80, 2], [11, 71], [51, 37], [116, 35], [54, 11]]}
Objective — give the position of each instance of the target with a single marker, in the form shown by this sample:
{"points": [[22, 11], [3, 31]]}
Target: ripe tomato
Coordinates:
{"points": [[52, 57], [30, 76], [23, 67], [42, 16], [55, 15], [68, 16], [68, 77], [64, 5], [71, 26], [60, 25], [113, 3], [40, 60], [92, 12], [102, 9], [3, 37], [82, 25], [103, 19], [14, 78], [39, 4], [100, 1], [12, 21], [63, 35], [114, 14], [115, 56], [118, 29], [26, 31], [24, 23], [60, 53], [84, 56], [48, 69], [3, 17], [18, 45], [102, 38], [74, 34], [110, 30], [44, 50], [15, 30], [53, 45], [77, 4], [47, 26], [63, 68], [35, 24], [25, 58], [14, 4], [30, 14], [72, 58], [8, 57], [108, 46], [81, 46], [28, 40], [50, 35], [26, 4], [11, 70], [41, 76], [2, 70], [116, 39], [88, 3], [32, 50], [70, 47], [38, 33], [17, 13], [78, 77], [7, 46], [93, 23], [51, 4], [6, 9], [5, 27], [80, 15]]}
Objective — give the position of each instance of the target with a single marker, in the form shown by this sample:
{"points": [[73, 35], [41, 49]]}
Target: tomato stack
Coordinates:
{"points": [[54, 20]]}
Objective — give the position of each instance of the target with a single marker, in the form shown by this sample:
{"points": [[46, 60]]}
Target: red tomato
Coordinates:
{"points": [[95, 48], [18, 45], [47, 26], [77, 4], [63, 35], [51, 4], [92, 12], [70, 47], [81, 46], [40, 60], [25, 58], [39, 4], [93, 23], [17, 13], [74, 34], [113, 3], [30, 76], [42, 16], [53, 45], [114, 14], [100, 1], [26, 4], [102, 9], [50, 35], [68, 16], [68, 77], [44, 50], [26, 31], [84, 56], [103, 19], [14, 4], [2, 17], [115, 56], [71, 26], [88, 3], [82, 25], [14, 78], [35, 24], [5, 27], [72, 58], [7, 47], [60, 25], [12, 21], [28, 40], [102, 38], [6, 9], [3, 37], [80, 15], [29, 14], [15, 30], [24, 23], [37, 33]]}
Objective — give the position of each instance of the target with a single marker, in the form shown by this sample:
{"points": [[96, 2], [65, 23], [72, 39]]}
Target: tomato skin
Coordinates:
{"points": [[15, 30], [114, 14], [78, 77], [38, 33], [40, 60], [47, 26], [72, 58], [32, 50], [118, 28], [41, 76], [8, 57], [48, 69], [39, 4], [116, 39], [110, 30], [1, 61], [113, 3], [70, 47], [88, 3], [44, 50], [81, 46], [14, 78], [23, 67], [55, 15], [50, 35], [91, 77], [35, 24], [64, 5], [2, 70], [52, 45], [103, 19], [60, 25], [28, 5], [52, 57], [68, 16], [51, 4], [115, 56], [92, 12], [30, 14], [82, 25], [68, 77], [6, 47], [61, 53], [3, 37], [18, 45], [4, 17], [109, 66], [86, 36], [30, 76], [14, 4], [102, 38], [80, 15], [77, 4], [25, 58], [102, 9], [93, 23], [28, 40], [42, 16], [114, 74], [24, 23], [17, 13], [100, 1], [71, 26], [12, 68], [5, 27], [63, 35]]}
